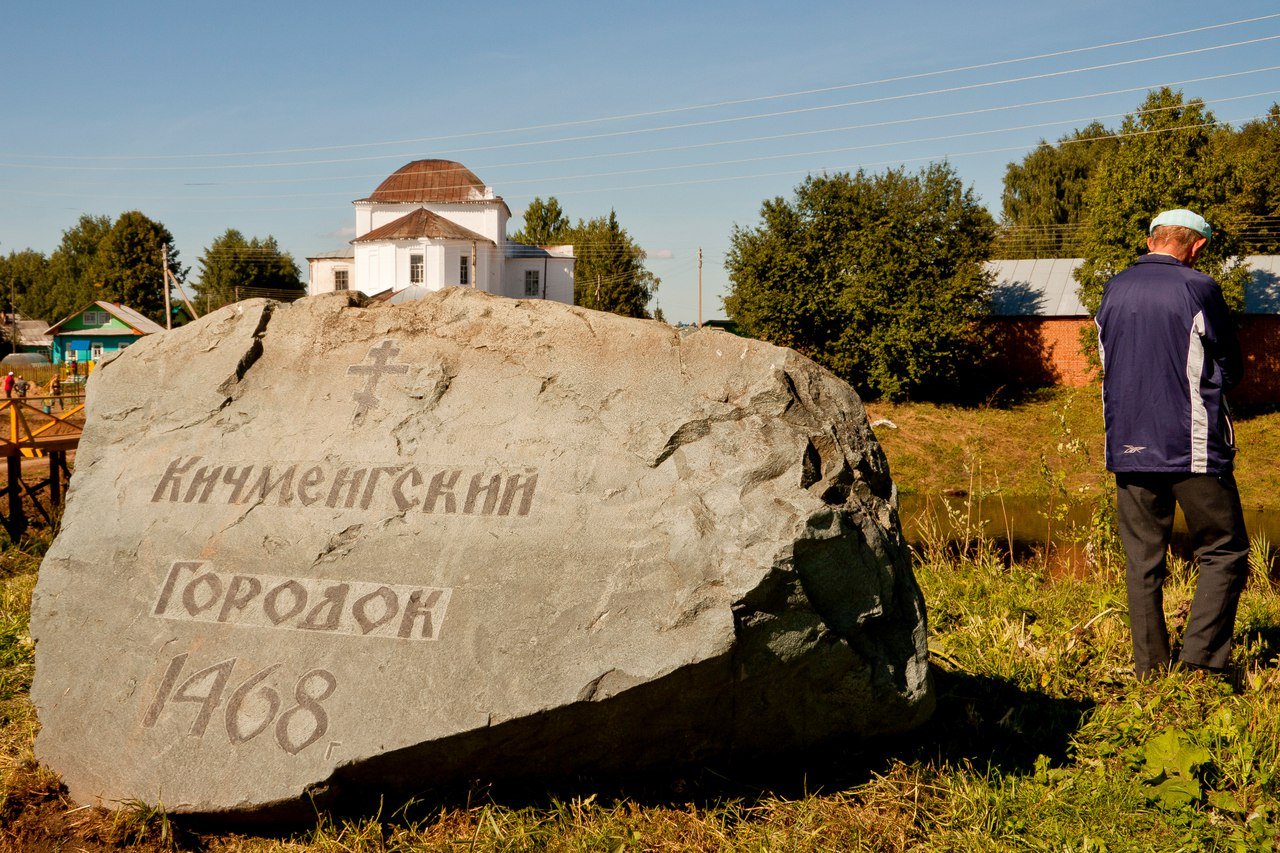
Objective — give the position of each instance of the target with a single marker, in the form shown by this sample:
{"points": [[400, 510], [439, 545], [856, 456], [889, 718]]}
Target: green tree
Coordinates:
{"points": [[234, 268], [879, 277], [1254, 153], [73, 270], [129, 259], [1164, 159], [545, 224], [1044, 194], [22, 273], [609, 274]]}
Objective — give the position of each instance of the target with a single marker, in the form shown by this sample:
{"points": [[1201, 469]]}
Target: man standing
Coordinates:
{"points": [[1169, 351]]}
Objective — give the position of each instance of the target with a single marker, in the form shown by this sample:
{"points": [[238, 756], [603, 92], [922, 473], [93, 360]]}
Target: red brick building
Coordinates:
{"points": [[1037, 321]]}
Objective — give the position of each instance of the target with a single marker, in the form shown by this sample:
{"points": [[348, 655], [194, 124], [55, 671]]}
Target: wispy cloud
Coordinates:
{"points": [[659, 254]]}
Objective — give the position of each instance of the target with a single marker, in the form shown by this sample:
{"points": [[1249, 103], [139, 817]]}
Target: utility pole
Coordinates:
{"points": [[13, 318], [164, 276], [597, 305], [699, 287]]}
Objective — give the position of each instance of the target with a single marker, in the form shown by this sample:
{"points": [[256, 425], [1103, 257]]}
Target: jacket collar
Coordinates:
{"points": [[1153, 258]]}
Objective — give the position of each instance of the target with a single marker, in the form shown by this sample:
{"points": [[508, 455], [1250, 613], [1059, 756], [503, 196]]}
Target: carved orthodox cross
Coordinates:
{"points": [[381, 356]]}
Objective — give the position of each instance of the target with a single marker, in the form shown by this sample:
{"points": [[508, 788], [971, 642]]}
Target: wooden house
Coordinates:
{"points": [[98, 329]]}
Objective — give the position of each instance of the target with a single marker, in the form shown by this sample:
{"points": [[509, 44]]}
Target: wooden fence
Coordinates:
{"points": [[39, 428]]}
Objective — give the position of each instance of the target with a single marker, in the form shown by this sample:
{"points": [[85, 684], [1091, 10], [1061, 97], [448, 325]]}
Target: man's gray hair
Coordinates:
{"points": [[1178, 235]]}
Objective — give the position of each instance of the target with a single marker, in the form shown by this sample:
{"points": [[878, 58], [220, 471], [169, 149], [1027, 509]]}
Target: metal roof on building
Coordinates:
{"points": [[419, 224], [138, 324], [1038, 287], [1045, 287], [347, 254], [29, 333], [523, 250], [142, 324], [1262, 296], [409, 294], [430, 181]]}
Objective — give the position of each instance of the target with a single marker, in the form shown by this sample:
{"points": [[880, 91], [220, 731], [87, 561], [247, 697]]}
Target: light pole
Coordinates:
{"points": [[13, 318]]}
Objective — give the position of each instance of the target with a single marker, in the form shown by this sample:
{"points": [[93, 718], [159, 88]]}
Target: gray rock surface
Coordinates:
{"points": [[319, 547]]}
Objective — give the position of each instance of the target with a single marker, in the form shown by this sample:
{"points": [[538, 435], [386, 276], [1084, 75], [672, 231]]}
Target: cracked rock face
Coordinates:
{"points": [[319, 549]]}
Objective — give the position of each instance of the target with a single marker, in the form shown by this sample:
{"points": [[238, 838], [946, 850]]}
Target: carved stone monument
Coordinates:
{"points": [[324, 547]]}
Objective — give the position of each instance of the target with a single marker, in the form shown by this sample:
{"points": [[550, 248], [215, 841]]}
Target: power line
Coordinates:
{"points": [[799, 133], [763, 158], [681, 109], [664, 128], [925, 158]]}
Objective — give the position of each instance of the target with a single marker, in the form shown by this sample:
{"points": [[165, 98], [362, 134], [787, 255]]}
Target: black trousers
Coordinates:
{"points": [[1211, 504]]}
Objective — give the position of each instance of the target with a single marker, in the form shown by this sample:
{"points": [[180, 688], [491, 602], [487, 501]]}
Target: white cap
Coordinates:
{"points": [[1185, 218]]}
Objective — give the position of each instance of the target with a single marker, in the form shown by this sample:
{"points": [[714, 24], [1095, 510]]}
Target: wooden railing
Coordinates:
{"points": [[34, 427], [36, 431]]}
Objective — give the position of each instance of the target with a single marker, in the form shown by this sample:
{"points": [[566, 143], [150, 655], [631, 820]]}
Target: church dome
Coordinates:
{"points": [[430, 181]]}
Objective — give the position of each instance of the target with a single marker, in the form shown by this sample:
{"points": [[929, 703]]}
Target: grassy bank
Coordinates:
{"points": [[1049, 440], [1041, 741]]}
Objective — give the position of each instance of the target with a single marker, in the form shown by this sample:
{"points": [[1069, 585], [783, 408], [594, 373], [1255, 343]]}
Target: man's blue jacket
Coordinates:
{"points": [[1169, 351]]}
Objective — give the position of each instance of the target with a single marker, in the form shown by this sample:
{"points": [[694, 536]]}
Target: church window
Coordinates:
{"points": [[464, 270], [531, 287], [415, 269], [341, 280]]}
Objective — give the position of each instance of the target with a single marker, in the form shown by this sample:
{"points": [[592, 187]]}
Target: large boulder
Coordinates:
{"points": [[323, 547]]}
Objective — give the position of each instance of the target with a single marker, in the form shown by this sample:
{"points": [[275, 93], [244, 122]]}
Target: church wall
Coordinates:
{"points": [[384, 214], [320, 277], [376, 267], [513, 280], [560, 280], [437, 275], [480, 218], [555, 277], [364, 219], [487, 271]]}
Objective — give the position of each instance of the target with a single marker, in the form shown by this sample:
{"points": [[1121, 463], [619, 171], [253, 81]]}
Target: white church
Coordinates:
{"points": [[434, 224]]}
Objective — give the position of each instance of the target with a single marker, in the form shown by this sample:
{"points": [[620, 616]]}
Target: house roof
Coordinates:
{"points": [[523, 250], [138, 324], [32, 333], [419, 224], [346, 254], [430, 181], [1044, 287], [1039, 287], [409, 294], [1262, 295]]}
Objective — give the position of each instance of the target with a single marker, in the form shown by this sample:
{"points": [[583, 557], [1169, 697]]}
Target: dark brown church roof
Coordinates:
{"points": [[429, 180], [422, 223]]}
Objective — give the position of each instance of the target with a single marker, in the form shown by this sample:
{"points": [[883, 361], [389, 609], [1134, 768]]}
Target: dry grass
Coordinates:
{"points": [[1024, 448]]}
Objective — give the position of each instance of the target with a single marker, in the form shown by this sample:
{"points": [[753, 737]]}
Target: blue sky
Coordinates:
{"points": [[682, 117]]}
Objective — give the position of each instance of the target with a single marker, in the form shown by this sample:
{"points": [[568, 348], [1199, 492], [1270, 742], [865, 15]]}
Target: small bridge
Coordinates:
{"points": [[41, 431]]}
